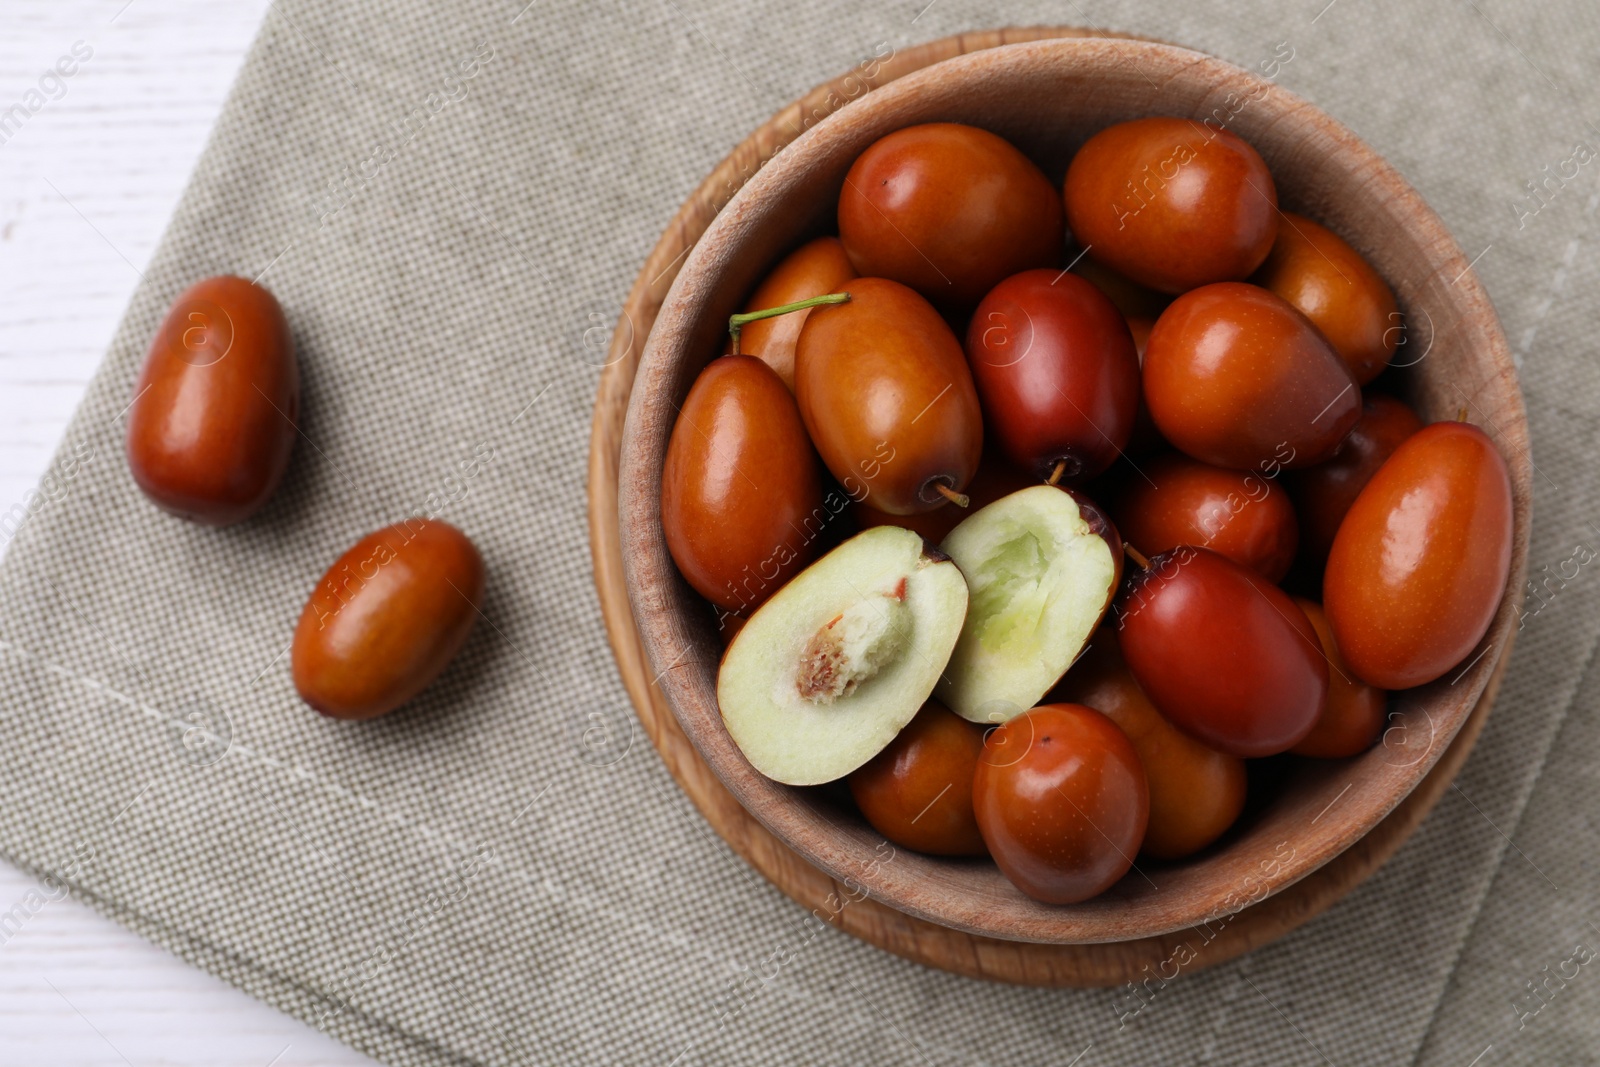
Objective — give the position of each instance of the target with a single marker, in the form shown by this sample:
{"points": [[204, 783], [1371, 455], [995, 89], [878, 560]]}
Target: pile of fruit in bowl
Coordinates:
{"points": [[1032, 513]]}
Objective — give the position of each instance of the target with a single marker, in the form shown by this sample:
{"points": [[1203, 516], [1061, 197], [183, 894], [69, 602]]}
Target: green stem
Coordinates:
{"points": [[736, 322]]}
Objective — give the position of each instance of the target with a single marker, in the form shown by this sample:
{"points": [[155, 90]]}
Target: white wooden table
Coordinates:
{"points": [[87, 184]]}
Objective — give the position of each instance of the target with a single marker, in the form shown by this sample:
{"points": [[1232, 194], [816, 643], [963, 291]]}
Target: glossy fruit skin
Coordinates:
{"points": [[1056, 371], [1062, 802], [1171, 203], [1225, 655], [1236, 377], [741, 496], [918, 791], [885, 393], [996, 478], [1196, 792], [1329, 282], [386, 619], [1181, 501], [1355, 713], [1323, 494], [815, 268], [949, 210], [1421, 560], [216, 405]]}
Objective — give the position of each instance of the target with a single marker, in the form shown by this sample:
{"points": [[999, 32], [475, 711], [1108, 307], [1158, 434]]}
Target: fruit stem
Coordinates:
{"points": [[1461, 415], [1055, 475], [960, 500], [1135, 555], [736, 322]]}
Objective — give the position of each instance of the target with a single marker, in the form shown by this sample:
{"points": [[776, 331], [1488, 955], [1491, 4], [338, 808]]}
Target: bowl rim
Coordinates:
{"points": [[643, 544]]}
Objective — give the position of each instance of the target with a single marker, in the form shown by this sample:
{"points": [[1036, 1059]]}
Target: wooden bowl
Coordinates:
{"points": [[1047, 97]]}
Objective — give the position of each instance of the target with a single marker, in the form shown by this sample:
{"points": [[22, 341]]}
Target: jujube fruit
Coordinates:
{"points": [[1172, 203], [1421, 560], [885, 393], [815, 268], [1355, 712], [215, 409], [1042, 566], [828, 671], [741, 496], [1062, 802], [1225, 655], [918, 791], [1236, 377], [1056, 372], [1144, 437], [386, 619], [1314, 269], [1172, 500], [948, 210]]}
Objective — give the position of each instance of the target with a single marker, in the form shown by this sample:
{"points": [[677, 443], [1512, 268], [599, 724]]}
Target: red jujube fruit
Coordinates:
{"points": [[885, 392], [1172, 203], [1355, 712], [1057, 373], [1421, 560], [1225, 655], [948, 210], [741, 496], [1236, 377], [815, 268], [215, 410], [386, 619], [918, 791], [1314, 269], [1062, 802]]}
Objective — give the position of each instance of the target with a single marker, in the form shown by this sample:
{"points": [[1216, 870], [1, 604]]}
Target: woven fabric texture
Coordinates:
{"points": [[467, 881]]}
